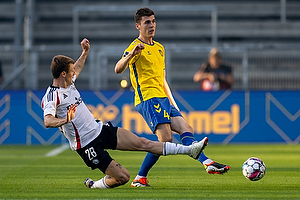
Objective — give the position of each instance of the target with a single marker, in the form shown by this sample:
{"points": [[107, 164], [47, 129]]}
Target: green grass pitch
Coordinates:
{"points": [[25, 173]]}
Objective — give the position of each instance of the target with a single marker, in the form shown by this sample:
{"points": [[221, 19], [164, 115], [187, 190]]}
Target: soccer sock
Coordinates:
{"points": [[188, 138], [203, 159], [149, 160], [173, 149], [100, 184]]}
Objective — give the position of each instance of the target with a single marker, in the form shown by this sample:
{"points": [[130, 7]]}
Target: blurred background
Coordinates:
{"points": [[259, 39]]}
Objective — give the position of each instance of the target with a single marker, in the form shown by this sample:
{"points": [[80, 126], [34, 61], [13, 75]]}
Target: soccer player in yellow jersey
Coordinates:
{"points": [[153, 98]]}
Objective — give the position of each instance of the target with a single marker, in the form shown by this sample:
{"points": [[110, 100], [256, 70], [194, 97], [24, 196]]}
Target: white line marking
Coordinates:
{"points": [[57, 150]]}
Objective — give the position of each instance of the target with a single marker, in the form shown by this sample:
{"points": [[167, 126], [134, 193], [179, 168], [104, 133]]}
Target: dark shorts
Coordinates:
{"points": [[157, 111], [94, 154]]}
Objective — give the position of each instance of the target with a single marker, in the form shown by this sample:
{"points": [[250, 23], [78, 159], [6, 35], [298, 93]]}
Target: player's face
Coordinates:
{"points": [[70, 74], [214, 62], [147, 27]]}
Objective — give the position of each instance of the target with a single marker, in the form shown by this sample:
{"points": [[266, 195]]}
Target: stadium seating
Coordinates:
{"points": [[240, 23]]}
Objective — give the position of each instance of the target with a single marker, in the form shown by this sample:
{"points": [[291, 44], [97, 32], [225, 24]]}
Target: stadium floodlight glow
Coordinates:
{"points": [[124, 83]]}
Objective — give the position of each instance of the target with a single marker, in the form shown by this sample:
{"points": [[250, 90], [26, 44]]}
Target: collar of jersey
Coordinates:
{"points": [[53, 86], [145, 42]]}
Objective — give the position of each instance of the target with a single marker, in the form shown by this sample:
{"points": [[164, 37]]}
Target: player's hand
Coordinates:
{"points": [[71, 112], [85, 44], [211, 77], [138, 49], [222, 76]]}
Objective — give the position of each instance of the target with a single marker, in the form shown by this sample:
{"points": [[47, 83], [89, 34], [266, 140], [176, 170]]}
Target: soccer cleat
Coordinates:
{"points": [[216, 168], [197, 147], [142, 182], [89, 182]]}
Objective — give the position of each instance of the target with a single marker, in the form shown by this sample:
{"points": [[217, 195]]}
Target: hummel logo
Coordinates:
{"points": [[149, 53], [157, 108], [65, 96]]}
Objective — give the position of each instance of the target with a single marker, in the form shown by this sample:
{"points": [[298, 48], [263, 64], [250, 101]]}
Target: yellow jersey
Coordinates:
{"points": [[147, 71]]}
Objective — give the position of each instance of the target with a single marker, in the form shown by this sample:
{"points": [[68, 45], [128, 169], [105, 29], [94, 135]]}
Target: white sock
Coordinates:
{"points": [[100, 184], [207, 161], [173, 149], [138, 177]]}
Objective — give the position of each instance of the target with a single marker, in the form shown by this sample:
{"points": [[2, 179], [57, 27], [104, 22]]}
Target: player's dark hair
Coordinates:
{"points": [[59, 64], [142, 12]]}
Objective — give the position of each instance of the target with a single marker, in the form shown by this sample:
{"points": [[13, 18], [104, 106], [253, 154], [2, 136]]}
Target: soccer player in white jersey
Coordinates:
{"points": [[64, 108]]}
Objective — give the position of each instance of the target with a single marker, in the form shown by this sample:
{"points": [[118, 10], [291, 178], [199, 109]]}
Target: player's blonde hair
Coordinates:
{"points": [[214, 53]]}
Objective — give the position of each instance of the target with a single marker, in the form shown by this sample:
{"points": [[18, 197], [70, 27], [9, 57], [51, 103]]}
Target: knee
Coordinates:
{"points": [[164, 133], [166, 138]]}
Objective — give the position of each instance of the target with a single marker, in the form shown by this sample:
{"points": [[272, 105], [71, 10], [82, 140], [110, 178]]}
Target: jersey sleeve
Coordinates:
{"points": [[50, 102], [130, 48], [164, 53], [161, 50]]}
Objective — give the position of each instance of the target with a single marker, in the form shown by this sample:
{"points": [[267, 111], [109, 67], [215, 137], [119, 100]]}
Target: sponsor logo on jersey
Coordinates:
{"points": [[78, 101]]}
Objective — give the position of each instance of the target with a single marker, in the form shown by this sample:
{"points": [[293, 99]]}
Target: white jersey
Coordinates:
{"points": [[81, 130]]}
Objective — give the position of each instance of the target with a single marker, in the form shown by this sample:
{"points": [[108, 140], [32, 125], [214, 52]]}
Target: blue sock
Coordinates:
{"points": [[149, 160], [188, 138]]}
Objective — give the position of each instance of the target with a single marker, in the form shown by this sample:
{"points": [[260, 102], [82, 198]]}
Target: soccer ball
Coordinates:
{"points": [[254, 169]]}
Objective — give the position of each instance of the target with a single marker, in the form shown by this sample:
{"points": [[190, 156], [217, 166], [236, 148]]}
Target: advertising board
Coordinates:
{"points": [[225, 117]]}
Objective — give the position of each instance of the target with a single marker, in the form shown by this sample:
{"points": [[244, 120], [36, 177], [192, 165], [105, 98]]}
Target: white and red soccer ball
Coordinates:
{"points": [[254, 169]]}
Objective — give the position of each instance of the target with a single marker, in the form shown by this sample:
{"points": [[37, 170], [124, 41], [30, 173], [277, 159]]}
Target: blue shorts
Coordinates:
{"points": [[157, 111]]}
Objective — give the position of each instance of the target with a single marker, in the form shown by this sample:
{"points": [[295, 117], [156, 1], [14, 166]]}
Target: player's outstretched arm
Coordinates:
{"points": [[78, 65], [122, 64], [52, 122]]}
